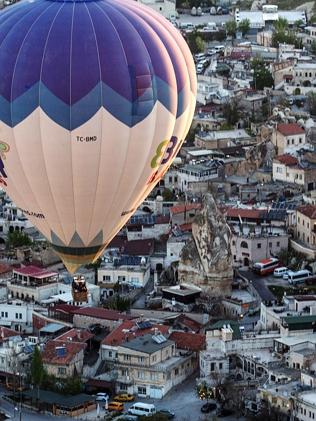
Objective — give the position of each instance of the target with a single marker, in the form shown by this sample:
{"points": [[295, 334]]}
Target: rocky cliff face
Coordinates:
{"points": [[206, 260]]}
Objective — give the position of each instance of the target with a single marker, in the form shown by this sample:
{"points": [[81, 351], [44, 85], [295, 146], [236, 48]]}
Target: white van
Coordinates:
{"points": [[299, 277], [142, 409], [279, 272]]}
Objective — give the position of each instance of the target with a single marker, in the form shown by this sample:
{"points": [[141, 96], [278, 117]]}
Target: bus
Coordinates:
{"points": [[295, 278], [266, 266]]}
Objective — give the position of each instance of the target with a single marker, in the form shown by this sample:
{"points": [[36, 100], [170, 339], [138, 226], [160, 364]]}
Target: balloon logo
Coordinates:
{"points": [[96, 98]]}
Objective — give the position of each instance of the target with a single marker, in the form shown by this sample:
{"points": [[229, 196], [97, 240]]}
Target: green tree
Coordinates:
{"points": [[262, 77], [72, 386], [167, 195], [313, 47], [244, 26], [311, 102], [231, 28], [117, 302], [195, 42], [281, 24], [18, 239], [204, 391], [37, 369], [232, 112]]}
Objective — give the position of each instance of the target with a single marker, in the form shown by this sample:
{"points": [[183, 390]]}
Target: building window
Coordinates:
{"points": [[126, 357], [61, 370], [220, 366], [154, 376], [106, 278], [2, 313], [176, 371], [140, 374], [124, 372], [141, 390], [212, 366], [270, 245], [123, 387], [16, 315], [20, 316], [141, 359], [278, 243], [110, 354], [259, 246], [244, 245], [6, 314]]}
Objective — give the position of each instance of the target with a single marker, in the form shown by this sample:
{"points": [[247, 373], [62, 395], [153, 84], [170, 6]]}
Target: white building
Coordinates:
{"points": [[175, 245], [166, 8], [16, 315], [269, 14], [133, 271], [305, 408]]}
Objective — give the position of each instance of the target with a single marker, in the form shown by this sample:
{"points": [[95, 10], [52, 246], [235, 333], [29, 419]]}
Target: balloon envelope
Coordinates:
{"points": [[96, 98]]}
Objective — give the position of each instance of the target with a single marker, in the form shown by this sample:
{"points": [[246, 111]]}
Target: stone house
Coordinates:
{"points": [[63, 359], [288, 137], [87, 316], [306, 225], [149, 366]]}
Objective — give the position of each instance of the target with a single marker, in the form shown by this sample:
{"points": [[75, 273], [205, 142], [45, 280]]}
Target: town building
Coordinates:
{"points": [[223, 139], [31, 283], [149, 366], [305, 232], [288, 138], [63, 359]]}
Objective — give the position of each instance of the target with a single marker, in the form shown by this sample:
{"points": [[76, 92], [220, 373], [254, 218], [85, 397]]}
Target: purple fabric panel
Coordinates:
{"points": [[137, 58], [85, 69], [114, 69], [160, 60], [28, 72], [11, 44], [56, 60]]}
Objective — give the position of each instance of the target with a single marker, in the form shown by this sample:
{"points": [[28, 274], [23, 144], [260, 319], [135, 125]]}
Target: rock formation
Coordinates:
{"points": [[206, 260]]}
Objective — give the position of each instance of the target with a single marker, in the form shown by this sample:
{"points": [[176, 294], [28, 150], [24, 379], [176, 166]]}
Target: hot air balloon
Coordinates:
{"points": [[96, 98]]}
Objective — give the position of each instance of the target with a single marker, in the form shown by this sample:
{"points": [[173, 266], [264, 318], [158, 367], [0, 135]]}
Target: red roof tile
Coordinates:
{"points": [[75, 335], [65, 308], [138, 247], [185, 321], [49, 354], [102, 313], [245, 213], [7, 333], [289, 129], [129, 330], [184, 208], [308, 210], [186, 227], [188, 341], [35, 271], [287, 159]]}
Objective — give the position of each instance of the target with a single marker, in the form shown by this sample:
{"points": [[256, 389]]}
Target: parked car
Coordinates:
{"points": [[279, 272], [116, 406], [208, 407], [124, 397], [102, 397], [167, 413], [126, 417]]}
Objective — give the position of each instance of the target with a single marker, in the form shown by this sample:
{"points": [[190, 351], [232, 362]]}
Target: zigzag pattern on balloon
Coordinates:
{"points": [[72, 116]]}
